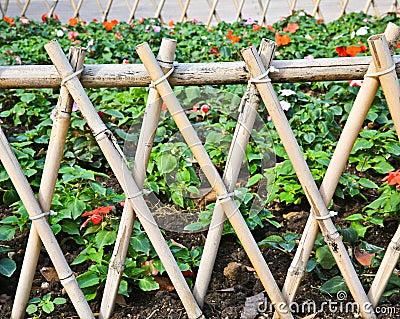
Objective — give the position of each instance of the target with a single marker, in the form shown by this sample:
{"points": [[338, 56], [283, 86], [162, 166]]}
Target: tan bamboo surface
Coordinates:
{"points": [[331, 235], [42, 227], [209, 11], [47, 186], [142, 156], [334, 171], [391, 89], [245, 123], [211, 173], [385, 270], [214, 73], [114, 156]]}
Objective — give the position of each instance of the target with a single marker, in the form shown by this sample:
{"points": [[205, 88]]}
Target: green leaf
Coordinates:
{"points": [[196, 226], [183, 176], [48, 307], [383, 167], [367, 183], [11, 220], [350, 235], [334, 285], [77, 208], [254, 180], [311, 264], [325, 258], [177, 198], [214, 137], [362, 144], [355, 217], [114, 112], [31, 309], [7, 267], [70, 227], [10, 197], [360, 229], [148, 283], [104, 238], [59, 301], [7, 232], [141, 243], [56, 228], [309, 137], [123, 288], [88, 279], [166, 163], [98, 188]]}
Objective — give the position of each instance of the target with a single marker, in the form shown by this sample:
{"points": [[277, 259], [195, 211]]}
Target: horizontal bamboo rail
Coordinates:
{"points": [[185, 74]]}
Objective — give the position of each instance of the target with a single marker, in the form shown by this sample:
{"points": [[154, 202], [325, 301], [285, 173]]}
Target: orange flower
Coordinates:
{"points": [[171, 23], [271, 28], [341, 51], [398, 45], [353, 50], [256, 27], [73, 21], [282, 39], [393, 178], [10, 21], [108, 25], [114, 22], [291, 28], [232, 37]]}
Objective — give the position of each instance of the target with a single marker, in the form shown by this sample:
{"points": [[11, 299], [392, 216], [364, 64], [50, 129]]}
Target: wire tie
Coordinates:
{"points": [[139, 193], [227, 195], [383, 72], [327, 216], [69, 77], [44, 214], [161, 79]]}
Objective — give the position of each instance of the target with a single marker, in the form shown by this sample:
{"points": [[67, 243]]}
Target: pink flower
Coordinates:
{"points": [[195, 21], [356, 83], [125, 61], [72, 35], [156, 28], [249, 21], [24, 20], [118, 35], [18, 59]]}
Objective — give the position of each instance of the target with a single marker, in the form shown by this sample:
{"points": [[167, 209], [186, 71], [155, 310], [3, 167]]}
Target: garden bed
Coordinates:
{"points": [[367, 202]]}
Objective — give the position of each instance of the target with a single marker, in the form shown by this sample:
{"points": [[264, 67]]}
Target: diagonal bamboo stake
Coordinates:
{"points": [[225, 198], [336, 166], [245, 123], [296, 157], [37, 215], [390, 85], [46, 189], [142, 156], [114, 156]]}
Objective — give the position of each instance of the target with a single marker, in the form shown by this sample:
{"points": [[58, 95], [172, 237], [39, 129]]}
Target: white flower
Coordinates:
{"points": [[60, 33], [285, 105], [352, 34], [309, 37], [286, 92], [362, 31], [204, 37]]}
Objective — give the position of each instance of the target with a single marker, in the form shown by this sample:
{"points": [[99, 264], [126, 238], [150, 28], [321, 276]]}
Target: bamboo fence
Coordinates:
{"points": [[179, 10], [380, 69]]}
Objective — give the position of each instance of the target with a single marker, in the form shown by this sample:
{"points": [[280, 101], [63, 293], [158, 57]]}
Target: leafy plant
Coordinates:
{"points": [[45, 304]]}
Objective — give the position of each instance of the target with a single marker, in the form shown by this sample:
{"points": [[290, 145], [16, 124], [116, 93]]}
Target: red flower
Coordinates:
{"points": [[271, 28], [108, 25], [141, 20], [10, 21], [73, 21], [341, 51], [72, 35], [205, 108], [354, 50], [232, 37], [56, 16], [171, 23], [95, 215], [291, 28], [256, 27], [398, 45], [214, 50], [44, 17], [282, 39], [393, 178], [114, 22]]}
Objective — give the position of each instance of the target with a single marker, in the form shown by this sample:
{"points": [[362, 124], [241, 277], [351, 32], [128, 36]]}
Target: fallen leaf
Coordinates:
{"points": [[164, 283], [290, 215], [49, 273], [363, 257]]}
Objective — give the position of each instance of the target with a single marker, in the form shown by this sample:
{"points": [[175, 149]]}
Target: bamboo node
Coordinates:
{"points": [[395, 245], [44, 214], [163, 78], [327, 216], [139, 193], [67, 279], [71, 76], [383, 72], [227, 195]]}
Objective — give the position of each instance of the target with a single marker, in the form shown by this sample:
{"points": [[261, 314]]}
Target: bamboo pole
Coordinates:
{"points": [[105, 15], [184, 11], [212, 13], [334, 171], [239, 11], [385, 270], [215, 73], [391, 89], [142, 156], [35, 212], [236, 154], [114, 156], [226, 201], [46, 189], [331, 235], [133, 11], [53, 7]]}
